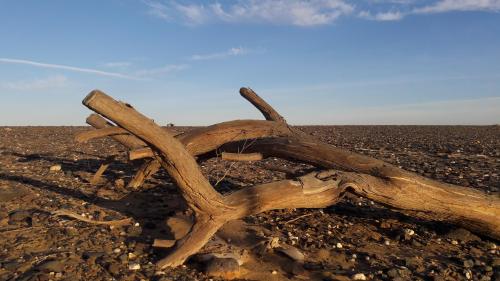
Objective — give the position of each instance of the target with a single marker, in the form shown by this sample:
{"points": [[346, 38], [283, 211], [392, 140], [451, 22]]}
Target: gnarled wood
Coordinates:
{"points": [[180, 165], [147, 169], [129, 141], [97, 177], [107, 131], [99, 133], [389, 185]]}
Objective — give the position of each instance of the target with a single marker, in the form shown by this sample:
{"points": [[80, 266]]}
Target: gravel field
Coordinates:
{"points": [[355, 239]]}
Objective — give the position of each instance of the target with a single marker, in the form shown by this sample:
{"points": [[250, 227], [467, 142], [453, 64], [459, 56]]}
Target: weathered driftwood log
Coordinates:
{"points": [[369, 177]]}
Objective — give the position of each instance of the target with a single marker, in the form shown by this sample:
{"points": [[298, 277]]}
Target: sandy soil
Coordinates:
{"points": [[353, 239]]}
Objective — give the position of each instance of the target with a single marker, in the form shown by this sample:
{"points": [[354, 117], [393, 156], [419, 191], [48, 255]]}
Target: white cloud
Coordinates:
{"points": [[288, 12], [460, 5], [229, 53], [51, 82], [66, 67]]}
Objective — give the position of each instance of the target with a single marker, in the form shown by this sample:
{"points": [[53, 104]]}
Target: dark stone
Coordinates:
{"points": [[52, 265], [11, 266], [21, 216], [393, 273], [462, 234], [92, 256], [113, 268], [8, 193], [222, 267], [468, 263]]}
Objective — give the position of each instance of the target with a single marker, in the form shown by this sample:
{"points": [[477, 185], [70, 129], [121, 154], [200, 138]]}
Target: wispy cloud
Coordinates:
{"points": [[460, 5], [287, 12], [294, 12], [194, 14], [51, 82], [66, 67], [136, 75], [441, 6], [229, 53], [306, 12], [157, 9]]}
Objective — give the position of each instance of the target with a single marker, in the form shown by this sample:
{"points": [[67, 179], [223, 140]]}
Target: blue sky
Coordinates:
{"points": [[317, 61]]}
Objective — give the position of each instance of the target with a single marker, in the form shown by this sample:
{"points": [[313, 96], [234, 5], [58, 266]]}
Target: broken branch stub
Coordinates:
{"points": [[129, 141], [266, 110]]}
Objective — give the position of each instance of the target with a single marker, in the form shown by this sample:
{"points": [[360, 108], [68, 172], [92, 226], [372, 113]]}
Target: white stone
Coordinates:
{"points": [[409, 231], [359, 276], [338, 245], [134, 266], [55, 168]]}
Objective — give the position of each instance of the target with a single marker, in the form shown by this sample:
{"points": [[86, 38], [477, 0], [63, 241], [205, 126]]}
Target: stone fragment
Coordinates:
{"points": [[226, 268], [291, 252]]}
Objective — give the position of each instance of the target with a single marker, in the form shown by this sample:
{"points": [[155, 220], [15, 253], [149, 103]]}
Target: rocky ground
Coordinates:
{"points": [[42, 171]]}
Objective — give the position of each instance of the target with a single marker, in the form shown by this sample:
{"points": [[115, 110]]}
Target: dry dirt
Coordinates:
{"points": [[341, 242]]}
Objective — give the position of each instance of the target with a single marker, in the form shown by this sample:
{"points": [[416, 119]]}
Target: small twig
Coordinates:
{"points": [[226, 172], [298, 218], [19, 229], [82, 218]]}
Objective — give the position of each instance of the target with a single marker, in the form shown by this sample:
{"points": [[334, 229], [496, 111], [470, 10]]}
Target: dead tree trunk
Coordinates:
{"points": [[365, 176]]}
